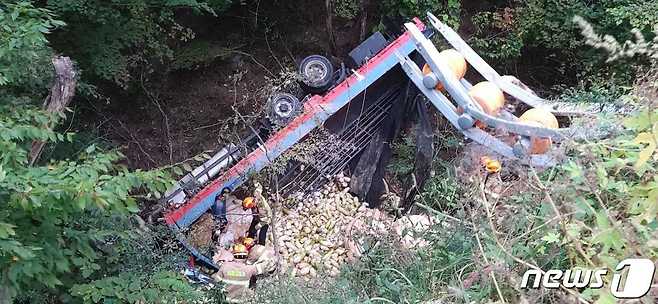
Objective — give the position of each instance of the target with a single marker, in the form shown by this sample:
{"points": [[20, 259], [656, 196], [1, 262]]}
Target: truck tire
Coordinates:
{"points": [[283, 108], [317, 73]]}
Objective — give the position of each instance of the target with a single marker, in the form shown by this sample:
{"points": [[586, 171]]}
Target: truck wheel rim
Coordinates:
{"points": [[315, 71], [283, 108]]}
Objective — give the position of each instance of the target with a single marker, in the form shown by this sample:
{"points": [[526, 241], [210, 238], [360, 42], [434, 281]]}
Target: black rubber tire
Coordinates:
{"points": [[283, 108], [317, 73]]}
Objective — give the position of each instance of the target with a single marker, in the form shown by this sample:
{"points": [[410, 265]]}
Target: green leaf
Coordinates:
{"points": [[551, 237], [646, 152], [90, 149], [131, 206], [607, 235], [7, 230]]}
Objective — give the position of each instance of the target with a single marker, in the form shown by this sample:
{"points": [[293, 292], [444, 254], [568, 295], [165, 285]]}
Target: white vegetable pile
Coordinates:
{"points": [[311, 237]]}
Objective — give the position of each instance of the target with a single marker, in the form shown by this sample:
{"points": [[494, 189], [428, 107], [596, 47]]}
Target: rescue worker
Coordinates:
{"points": [[262, 214], [219, 213], [238, 220], [263, 257], [235, 273]]}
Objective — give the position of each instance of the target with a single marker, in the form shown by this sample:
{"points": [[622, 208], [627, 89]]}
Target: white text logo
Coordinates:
{"points": [[632, 284]]}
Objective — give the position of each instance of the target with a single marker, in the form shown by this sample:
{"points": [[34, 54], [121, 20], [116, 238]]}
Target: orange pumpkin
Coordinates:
{"points": [[456, 63], [539, 118], [489, 96], [544, 117]]}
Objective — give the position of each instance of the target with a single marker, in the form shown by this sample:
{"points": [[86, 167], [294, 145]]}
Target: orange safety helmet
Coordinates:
{"points": [[248, 242], [240, 251], [248, 203]]}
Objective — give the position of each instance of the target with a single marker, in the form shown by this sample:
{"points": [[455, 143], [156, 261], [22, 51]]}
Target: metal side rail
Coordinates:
{"points": [[472, 111], [482, 67]]}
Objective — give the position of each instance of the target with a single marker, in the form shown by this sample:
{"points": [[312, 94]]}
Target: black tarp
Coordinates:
{"points": [[368, 176], [424, 151]]}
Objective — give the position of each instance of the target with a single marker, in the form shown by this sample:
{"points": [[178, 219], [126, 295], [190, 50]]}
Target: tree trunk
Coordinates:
{"points": [[59, 97], [364, 19], [330, 26], [5, 297]]}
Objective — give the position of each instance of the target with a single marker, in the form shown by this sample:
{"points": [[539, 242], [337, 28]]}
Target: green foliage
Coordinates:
{"points": [[161, 287], [390, 274], [118, 40], [507, 32], [489, 25], [441, 188], [67, 223], [404, 153], [219, 6], [446, 10], [616, 50], [441, 191], [613, 190], [347, 9], [386, 274], [24, 52], [44, 236], [605, 92], [140, 263], [199, 54]]}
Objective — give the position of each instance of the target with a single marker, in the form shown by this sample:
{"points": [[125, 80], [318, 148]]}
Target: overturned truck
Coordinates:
{"points": [[390, 78]]}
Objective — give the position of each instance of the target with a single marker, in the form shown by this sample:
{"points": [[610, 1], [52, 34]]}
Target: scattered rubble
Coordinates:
{"points": [[310, 235], [327, 228]]}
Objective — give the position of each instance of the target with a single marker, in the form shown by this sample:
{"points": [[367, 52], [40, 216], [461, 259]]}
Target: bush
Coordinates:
{"points": [[117, 40], [447, 10], [347, 9], [68, 222], [546, 26], [24, 53]]}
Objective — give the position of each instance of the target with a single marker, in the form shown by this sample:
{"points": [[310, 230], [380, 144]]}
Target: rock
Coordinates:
{"points": [[304, 268]]}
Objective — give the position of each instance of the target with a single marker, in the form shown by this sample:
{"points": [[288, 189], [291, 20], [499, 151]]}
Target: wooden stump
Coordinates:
{"points": [[58, 99]]}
